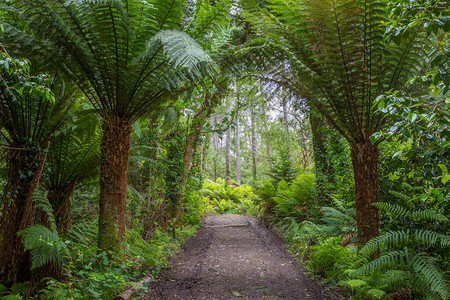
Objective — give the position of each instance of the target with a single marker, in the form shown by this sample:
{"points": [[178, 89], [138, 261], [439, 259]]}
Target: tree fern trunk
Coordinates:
{"points": [[62, 212], [365, 170], [115, 148], [25, 170]]}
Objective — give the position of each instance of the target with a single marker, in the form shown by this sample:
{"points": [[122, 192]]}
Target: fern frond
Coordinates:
{"points": [[428, 237], [424, 265], [394, 278], [429, 215], [394, 209], [44, 245], [42, 204], [388, 260], [388, 239]]}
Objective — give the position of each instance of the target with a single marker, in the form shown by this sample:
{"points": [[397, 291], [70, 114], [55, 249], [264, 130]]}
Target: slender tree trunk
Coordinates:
{"points": [[216, 154], [25, 170], [323, 170], [286, 128], [365, 159], [227, 156], [306, 154], [152, 155], [115, 149], [253, 145], [191, 143], [268, 147], [238, 152]]}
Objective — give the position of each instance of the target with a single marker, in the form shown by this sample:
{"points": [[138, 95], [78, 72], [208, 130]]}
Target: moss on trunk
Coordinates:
{"points": [[115, 148]]}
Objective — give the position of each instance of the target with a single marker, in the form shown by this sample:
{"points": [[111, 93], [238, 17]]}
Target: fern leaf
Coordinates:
{"points": [[424, 265], [388, 260], [394, 209], [429, 215], [388, 239], [44, 245], [428, 237]]}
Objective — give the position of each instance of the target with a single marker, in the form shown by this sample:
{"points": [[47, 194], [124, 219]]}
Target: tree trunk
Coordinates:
{"points": [[286, 128], [238, 152], [306, 154], [62, 212], [365, 171], [268, 147], [191, 144], [25, 170], [253, 146], [153, 144], [115, 149], [323, 170], [227, 156]]}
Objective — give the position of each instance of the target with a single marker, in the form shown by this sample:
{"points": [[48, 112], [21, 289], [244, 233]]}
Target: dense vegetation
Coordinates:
{"points": [[123, 122]]}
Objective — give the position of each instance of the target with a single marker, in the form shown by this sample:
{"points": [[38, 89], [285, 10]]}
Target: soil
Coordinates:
{"points": [[242, 261]]}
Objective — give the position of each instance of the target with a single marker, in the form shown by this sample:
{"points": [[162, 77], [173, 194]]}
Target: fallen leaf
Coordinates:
{"points": [[236, 294]]}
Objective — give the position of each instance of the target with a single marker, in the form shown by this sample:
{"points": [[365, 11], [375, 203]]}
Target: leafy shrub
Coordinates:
{"points": [[407, 253], [329, 257], [230, 198], [295, 199]]}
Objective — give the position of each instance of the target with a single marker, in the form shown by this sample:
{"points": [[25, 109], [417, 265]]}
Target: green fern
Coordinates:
{"points": [[45, 246]]}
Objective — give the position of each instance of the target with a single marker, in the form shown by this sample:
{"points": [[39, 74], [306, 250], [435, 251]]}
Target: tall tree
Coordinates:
{"points": [[253, 134], [29, 115], [227, 155], [125, 56], [238, 151], [286, 128], [340, 61]]}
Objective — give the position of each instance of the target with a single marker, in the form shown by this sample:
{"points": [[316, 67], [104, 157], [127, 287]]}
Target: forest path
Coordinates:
{"points": [[241, 261]]}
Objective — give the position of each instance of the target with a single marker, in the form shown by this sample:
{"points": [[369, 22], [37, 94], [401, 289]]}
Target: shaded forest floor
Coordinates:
{"points": [[245, 261]]}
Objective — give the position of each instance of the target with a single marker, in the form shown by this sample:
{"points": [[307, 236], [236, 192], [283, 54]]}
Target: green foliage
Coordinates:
{"points": [[330, 257], [45, 246], [283, 167], [95, 275], [17, 292], [410, 251], [229, 198], [297, 198]]}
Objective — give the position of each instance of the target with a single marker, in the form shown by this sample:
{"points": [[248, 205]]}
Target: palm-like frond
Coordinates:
{"points": [[337, 57], [124, 55]]}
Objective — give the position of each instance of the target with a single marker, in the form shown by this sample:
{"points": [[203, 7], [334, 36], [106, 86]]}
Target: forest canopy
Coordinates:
{"points": [[125, 122]]}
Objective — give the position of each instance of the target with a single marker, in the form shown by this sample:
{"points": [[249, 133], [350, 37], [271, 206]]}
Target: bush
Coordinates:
{"points": [[232, 199]]}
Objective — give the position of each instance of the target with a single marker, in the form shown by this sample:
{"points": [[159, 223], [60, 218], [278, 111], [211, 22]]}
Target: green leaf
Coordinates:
{"points": [[445, 179], [443, 168], [236, 294]]}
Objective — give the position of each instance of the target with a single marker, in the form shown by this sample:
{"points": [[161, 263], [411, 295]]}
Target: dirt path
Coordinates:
{"points": [[241, 262]]}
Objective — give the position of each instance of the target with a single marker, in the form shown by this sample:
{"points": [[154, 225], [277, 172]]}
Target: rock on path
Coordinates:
{"points": [[240, 262]]}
